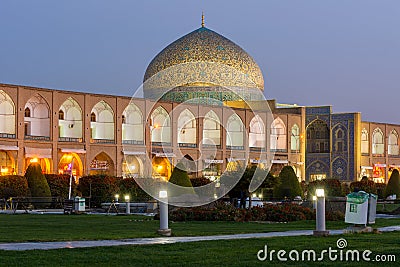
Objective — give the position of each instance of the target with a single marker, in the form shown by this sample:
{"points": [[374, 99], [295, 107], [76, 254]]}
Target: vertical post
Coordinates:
{"points": [[320, 216], [70, 180], [163, 208], [128, 206]]}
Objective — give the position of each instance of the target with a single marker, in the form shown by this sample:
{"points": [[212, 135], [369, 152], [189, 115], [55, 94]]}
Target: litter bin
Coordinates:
{"points": [[79, 204], [372, 200], [357, 208]]}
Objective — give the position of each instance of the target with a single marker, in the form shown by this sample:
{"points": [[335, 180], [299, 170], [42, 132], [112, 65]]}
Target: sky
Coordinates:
{"points": [[344, 53]]}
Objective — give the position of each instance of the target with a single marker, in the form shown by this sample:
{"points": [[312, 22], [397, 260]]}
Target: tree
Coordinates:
{"points": [[37, 183], [180, 176], [289, 185], [393, 186]]}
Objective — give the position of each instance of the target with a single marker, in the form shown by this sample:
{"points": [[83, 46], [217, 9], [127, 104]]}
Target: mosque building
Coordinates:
{"points": [[203, 103]]}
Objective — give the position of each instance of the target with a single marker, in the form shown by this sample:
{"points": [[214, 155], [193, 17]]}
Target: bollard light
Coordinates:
{"points": [[128, 208], [163, 209], [163, 194], [320, 213], [116, 198], [320, 192]]}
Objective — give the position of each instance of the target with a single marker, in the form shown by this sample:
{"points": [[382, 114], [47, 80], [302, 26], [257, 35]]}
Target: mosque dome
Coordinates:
{"points": [[203, 60]]}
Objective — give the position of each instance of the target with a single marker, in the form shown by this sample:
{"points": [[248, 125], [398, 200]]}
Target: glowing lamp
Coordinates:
{"points": [[163, 194], [320, 192], [34, 160], [126, 198]]}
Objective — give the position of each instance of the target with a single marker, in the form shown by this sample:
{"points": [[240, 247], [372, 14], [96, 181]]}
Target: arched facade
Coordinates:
{"points": [[7, 115], [295, 138], [378, 142], [257, 133], [37, 118], [160, 126], [278, 138], [70, 121], [393, 143], [318, 137], [132, 125], [187, 129], [211, 129], [68, 162], [102, 164], [7, 163], [132, 166], [364, 141], [234, 132], [102, 122]]}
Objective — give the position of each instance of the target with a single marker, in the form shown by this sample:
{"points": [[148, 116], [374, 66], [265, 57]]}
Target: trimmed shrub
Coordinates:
{"points": [[363, 185], [197, 182], [380, 190], [36, 181], [332, 187], [13, 186], [289, 185], [286, 212], [128, 186], [180, 176], [59, 185], [101, 188], [393, 186]]}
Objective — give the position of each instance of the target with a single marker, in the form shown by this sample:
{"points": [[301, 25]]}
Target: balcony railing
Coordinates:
{"points": [[160, 144], [210, 146], [6, 135], [257, 149], [37, 138], [70, 139], [235, 147], [187, 145], [279, 150], [102, 141], [132, 142]]}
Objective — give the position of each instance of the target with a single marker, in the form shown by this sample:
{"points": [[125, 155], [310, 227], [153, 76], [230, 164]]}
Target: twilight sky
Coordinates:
{"points": [[344, 53]]}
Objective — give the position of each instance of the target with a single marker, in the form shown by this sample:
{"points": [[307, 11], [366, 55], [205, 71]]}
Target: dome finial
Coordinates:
{"points": [[202, 19]]}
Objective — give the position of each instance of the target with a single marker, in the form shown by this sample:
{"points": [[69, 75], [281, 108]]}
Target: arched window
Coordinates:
{"points": [[7, 116], [318, 137], [339, 140], [160, 127], [61, 114], [278, 135], [393, 145], [27, 112], [103, 125], [364, 141], [211, 129], [378, 144], [132, 125], [93, 117], [37, 118], [186, 129], [295, 138], [234, 132], [70, 121], [339, 134], [257, 133]]}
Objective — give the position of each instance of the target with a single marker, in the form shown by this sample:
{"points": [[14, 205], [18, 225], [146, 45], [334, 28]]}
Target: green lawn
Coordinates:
{"points": [[208, 253], [28, 227]]}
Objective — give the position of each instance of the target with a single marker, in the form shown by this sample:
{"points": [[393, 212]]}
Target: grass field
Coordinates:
{"points": [[208, 253], [27, 227], [18, 228]]}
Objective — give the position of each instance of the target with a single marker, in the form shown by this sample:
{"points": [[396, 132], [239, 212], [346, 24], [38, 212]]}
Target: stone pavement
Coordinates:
{"points": [[161, 240]]}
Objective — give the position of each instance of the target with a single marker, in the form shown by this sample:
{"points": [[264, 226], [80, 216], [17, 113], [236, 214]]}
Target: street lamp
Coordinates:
{"points": [[127, 202], [163, 208], [320, 214]]}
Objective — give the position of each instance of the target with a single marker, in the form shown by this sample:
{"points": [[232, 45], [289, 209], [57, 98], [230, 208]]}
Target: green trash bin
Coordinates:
{"points": [[357, 208]]}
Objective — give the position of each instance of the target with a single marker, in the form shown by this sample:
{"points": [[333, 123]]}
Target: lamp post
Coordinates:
{"points": [[128, 206], [320, 216], [70, 179], [163, 208]]}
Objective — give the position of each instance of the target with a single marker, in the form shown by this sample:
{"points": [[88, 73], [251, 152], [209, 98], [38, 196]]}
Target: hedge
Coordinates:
{"points": [[13, 186]]}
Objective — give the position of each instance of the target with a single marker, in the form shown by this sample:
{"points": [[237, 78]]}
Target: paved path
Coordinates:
{"points": [[161, 240]]}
